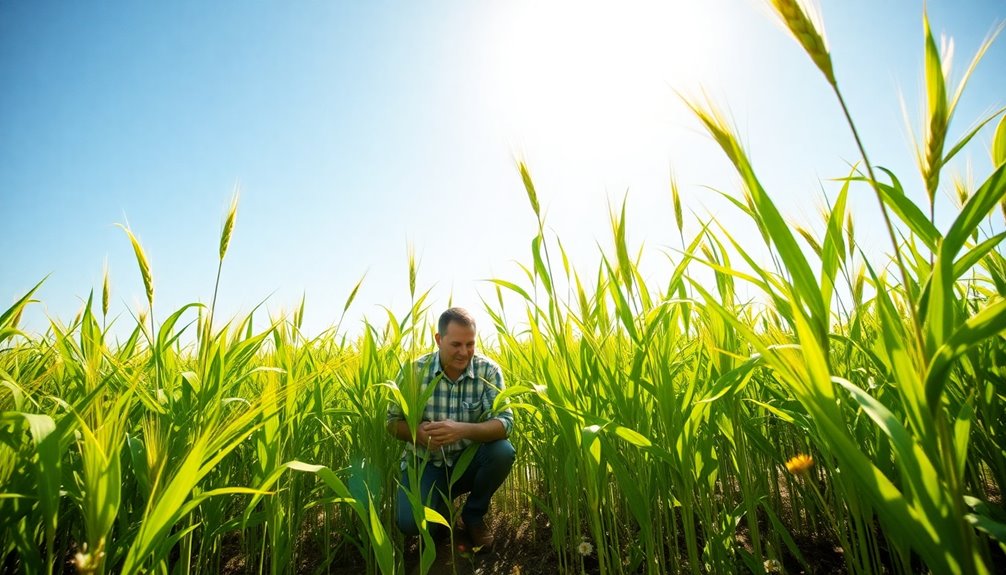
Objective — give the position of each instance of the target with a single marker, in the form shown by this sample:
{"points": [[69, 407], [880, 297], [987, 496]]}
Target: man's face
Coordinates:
{"points": [[457, 346]]}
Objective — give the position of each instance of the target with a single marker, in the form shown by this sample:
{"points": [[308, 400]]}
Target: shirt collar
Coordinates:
{"points": [[469, 371]]}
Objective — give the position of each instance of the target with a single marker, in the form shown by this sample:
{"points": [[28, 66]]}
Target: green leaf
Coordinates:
{"points": [[773, 410], [999, 143], [833, 249], [633, 437], [383, 548], [621, 248], [46, 436], [805, 286], [986, 323], [901, 440], [909, 213], [962, 435], [462, 463], [972, 132], [367, 513], [163, 513], [975, 255], [986, 524], [165, 335], [783, 532], [974, 212], [987, 518], [541, 270], [622, 307], [512, 287], [434, 516], [8, 319]]}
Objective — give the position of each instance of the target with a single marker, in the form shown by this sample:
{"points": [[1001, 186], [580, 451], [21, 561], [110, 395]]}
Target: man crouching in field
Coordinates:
{"points": [[458, 414]]}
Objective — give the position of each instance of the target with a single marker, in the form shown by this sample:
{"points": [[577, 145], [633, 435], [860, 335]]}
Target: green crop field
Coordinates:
{"points": [[850, 417]]}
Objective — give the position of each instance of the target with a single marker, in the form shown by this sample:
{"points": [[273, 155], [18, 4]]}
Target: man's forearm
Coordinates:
{"points": [[445, 432], [399, 429], [486, 431]]}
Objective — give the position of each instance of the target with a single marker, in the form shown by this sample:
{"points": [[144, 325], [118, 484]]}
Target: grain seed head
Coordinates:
{"points": [[141, 259], [106, 291], [225, 236], [802, 22], [532, 195]]}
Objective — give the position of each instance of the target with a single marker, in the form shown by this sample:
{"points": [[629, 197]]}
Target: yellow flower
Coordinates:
{"points": [[772, 566], [800, 464]]}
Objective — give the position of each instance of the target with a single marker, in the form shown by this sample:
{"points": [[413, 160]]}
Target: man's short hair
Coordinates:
{"points": [[458, 315]]}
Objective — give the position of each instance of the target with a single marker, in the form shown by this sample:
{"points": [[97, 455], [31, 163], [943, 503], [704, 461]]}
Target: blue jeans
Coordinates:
{"points": [[487, 471]]}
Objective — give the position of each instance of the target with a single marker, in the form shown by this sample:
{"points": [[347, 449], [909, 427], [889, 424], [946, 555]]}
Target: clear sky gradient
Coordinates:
{"points": [[356, 128]]}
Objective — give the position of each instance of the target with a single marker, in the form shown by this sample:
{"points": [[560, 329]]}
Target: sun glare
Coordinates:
{"points": [[590, 81], [585, 92]]}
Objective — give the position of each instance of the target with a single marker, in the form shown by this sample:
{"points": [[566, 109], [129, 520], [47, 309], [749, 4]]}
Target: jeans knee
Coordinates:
{"points": [[500, 452], [407, 525], [403, 514]]}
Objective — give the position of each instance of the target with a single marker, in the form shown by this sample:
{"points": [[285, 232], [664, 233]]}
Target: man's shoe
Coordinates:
{"points": [[480, 535]]}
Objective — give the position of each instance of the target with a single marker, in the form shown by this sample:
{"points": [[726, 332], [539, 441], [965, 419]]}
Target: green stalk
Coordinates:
{"points": [[913, 312]]}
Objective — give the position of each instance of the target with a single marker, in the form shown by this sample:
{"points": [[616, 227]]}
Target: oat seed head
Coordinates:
{"points": [[225, 236], [804, 23], [413, 270], [106, 291], [141, 260], [532, 195], [676, 199], [810, 239]]}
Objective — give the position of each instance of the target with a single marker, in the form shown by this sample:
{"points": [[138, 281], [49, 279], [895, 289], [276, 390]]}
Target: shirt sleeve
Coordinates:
{"points": [[495, 385]]}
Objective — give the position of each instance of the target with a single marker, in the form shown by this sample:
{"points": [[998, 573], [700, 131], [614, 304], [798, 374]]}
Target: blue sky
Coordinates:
{"points": [[357, 128]]}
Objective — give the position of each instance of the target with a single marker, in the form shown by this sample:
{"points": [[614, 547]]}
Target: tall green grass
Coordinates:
{"points": [[655, 420]]}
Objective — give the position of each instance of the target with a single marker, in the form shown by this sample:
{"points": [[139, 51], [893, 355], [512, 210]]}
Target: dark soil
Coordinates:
{"points": [[523, 546], [515, 551], [524, 549]]}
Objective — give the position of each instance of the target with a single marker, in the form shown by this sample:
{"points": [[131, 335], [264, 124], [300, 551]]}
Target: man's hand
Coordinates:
{"points": [[435, 434], [424, 439], [438, 433]]}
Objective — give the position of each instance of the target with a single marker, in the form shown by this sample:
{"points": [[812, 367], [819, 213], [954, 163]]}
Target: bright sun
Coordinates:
{"points": [[587, 88], [596, 73]]}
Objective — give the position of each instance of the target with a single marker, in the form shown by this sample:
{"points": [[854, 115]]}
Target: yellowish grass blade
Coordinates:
{"points": [[999, 143]]}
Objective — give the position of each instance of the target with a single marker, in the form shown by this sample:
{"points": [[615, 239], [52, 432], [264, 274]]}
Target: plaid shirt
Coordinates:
{"points": [[469, 399]]}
